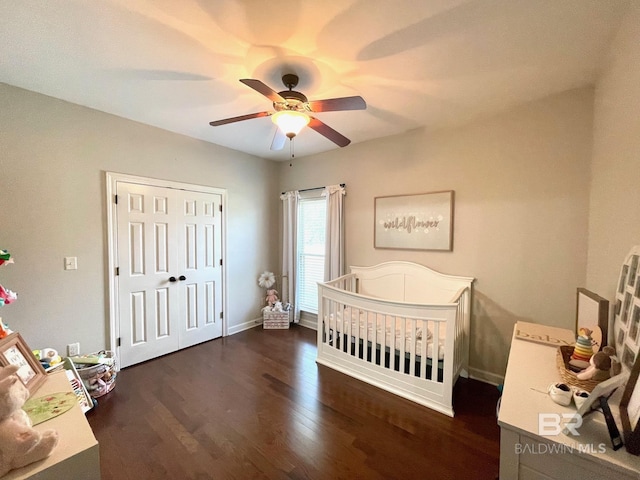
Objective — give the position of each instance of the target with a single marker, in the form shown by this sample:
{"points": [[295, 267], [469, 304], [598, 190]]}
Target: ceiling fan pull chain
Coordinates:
{"points": [[291, 150]]}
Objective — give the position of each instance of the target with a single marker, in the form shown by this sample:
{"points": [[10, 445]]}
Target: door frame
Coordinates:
{"points": [[111, 181]]}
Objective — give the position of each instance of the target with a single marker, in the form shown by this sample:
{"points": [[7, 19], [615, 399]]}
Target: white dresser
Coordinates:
{"points": [[76, 456], [524, 454]]}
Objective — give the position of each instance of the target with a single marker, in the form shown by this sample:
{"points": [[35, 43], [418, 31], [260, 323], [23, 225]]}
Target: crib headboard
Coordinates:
{"points": [[408, 282]]}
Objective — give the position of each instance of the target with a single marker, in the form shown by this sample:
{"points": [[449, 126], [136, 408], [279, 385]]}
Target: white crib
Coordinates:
{"points": [[399, 326]]}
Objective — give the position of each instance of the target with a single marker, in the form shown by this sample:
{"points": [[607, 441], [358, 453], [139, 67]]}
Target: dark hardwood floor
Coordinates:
{"points": [[256, 406]]}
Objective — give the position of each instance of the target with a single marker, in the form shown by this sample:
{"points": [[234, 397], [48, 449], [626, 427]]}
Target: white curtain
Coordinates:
{"points": [[290, 250], [334, 241]]}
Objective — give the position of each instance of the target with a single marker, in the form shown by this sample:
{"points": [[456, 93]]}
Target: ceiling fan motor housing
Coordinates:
{"points": [[294, 101]]}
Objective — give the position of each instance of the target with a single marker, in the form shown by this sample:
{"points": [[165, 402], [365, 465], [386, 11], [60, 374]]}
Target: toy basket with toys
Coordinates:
{"points": [[585, 364], [98, 372], [563, 357]]}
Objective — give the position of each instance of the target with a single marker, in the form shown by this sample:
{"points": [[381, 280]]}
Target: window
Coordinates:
{"points": [[312, 215]]}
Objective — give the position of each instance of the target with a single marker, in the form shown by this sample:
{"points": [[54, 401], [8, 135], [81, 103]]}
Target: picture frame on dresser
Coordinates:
{"points": [[15, 351], [592, 310], [630, 411]]}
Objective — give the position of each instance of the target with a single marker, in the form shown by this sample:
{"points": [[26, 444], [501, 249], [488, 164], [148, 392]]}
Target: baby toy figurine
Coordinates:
{"points": [[20, 444], [272, 297], [583, 349], [599, 368]]}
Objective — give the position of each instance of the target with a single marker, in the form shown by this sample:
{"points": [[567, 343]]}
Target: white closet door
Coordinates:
{"points": [[199, 267], [169, 280]]}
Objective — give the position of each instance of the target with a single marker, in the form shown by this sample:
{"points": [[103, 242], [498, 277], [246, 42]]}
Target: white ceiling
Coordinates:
{"points": [[175, 64]]}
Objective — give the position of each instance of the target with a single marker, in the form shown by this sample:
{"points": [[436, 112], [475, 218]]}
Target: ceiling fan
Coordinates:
{"points": [[292, 111]]}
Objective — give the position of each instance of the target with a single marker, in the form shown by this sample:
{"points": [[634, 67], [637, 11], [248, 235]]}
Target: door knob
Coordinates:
{"points": [[172, 279], [182, 277]]}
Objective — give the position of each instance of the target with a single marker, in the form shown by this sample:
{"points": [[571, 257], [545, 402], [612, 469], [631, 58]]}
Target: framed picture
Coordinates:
{"points": [[592, 310], [626, 311], [14, 351], [421, 221], [630, 411]]}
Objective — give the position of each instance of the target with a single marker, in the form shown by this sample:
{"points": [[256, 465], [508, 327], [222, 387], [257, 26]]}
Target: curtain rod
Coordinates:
{"points": [[315, 188]]}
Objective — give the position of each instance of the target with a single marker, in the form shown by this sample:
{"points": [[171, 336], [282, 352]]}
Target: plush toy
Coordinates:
{"points": [[272, 297], [277, 307], [599, 368], [20, 444], [616, 366]]}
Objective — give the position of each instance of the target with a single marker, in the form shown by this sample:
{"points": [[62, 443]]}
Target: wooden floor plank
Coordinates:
{"points": [[256, 406]]}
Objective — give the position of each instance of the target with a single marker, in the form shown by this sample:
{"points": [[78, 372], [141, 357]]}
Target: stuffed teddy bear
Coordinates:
{"points": [[20, 444], [598, 369], [272, 297], [616, 366]]}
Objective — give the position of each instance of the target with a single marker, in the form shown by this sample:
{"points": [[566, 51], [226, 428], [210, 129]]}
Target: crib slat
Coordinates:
{"points": [[423, 348], [383, 340], [435, 342], [338, 323], [413, 325], [346, 337], [374, 334], [401, 340], [442, 329]]}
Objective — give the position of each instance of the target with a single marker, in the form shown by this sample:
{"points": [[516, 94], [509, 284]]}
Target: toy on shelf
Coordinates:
{"points": [[583, 350], [272, 297], [602, 365], [598, 369], [20, 444], [6, 295], [5, 257]]}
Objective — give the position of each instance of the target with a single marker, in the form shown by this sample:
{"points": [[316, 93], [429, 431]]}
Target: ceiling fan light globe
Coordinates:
{"points": [[290, 122]]}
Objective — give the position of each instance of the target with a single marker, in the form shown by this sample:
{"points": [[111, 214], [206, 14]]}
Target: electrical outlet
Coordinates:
{"points": [[73, 349]]}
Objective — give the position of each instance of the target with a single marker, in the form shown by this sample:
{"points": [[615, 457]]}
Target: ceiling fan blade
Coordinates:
{"points": [[338, 104], [260, 87], [330, 133], [217, 123], [278, 140]]}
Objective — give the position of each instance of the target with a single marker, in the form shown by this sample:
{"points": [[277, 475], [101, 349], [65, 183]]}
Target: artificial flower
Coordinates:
{"points": [[266, 279]]}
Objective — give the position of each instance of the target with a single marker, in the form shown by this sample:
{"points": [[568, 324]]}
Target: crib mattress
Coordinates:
{"points": [[356, 322]]}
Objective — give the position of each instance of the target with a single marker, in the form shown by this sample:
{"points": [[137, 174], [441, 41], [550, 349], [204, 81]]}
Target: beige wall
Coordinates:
{"points": [[614, 220], [53, 158], [521, 182]]}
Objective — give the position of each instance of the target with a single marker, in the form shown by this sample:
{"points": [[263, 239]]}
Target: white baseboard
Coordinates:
{"points": [[308, 320], [486, 377], [304, 322], [233, 329]]}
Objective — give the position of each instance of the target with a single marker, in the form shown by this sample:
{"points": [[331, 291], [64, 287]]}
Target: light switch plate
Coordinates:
{"points": [[70, 263]]}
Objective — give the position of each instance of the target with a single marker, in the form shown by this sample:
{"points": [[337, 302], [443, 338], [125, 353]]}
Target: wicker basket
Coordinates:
{"points": [[562, 361], [99, 379]]}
